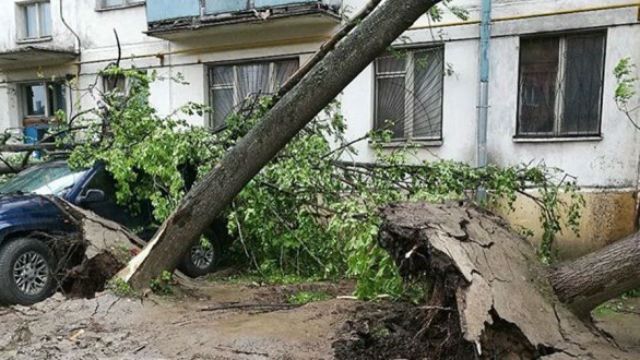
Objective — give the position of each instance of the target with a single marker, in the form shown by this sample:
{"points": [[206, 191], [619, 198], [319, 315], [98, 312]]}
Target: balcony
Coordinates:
{"points": [[181, 19], [29, 56], [33, 36]]}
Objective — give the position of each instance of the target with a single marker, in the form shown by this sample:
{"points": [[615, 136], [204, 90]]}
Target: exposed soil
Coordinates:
{"points": [[213, 320], [203, 321]]}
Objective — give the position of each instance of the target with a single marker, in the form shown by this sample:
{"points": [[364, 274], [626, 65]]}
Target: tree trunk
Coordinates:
{"points": [[14, 148], [489, 292], [597, 277], [5, 169], [279, 125]]}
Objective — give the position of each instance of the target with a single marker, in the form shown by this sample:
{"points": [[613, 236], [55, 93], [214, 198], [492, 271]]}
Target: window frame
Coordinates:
{"points": [[409, 75], [101, 5], [121, 84], [50, 100], [22, 33], [210, 86], [557, 135]]}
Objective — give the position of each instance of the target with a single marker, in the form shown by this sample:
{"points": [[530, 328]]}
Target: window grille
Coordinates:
{"points": [[408, 93], [561, 82]]}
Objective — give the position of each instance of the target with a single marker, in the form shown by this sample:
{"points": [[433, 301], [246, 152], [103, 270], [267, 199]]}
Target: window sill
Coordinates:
{"points": [[34, 40], [424, 143], [119, 7], [556, 139]]}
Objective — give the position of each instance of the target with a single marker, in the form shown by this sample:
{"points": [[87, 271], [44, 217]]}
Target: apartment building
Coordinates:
{"points": [[548, 79]]}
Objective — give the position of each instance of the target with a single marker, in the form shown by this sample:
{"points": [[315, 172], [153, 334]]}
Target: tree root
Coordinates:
{"points": [[503, 305]]}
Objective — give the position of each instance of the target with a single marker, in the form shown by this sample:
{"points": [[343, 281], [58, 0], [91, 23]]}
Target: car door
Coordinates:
{"points": [[107, 205]]}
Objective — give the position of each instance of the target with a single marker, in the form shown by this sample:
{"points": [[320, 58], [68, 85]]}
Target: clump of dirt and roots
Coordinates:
{"points": [[389, 330]]}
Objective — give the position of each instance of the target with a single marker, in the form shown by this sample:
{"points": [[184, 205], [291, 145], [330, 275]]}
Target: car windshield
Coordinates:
{"points": [[50, 179]]}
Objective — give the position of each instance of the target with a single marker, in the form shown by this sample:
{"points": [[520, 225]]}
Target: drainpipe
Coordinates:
{"points": [[483, 101]]}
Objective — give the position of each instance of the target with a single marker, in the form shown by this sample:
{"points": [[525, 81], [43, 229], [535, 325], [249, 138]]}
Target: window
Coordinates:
{"points": [[408, 94], [43, 100], [230, 85], [114, 4], [36, 19], [114, 83], [560, 90]]}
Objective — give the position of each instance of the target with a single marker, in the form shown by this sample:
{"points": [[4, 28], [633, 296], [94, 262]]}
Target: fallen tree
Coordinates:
{"points": [[489, 291], [597, 277], [324, 81]]}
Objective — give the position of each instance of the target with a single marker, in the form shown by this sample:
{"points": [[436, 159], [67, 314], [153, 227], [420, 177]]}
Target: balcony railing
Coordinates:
{"points": [[162, 11]]}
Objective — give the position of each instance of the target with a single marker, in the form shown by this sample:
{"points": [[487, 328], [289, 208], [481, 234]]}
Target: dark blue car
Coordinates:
{"points": [[26, 259]]}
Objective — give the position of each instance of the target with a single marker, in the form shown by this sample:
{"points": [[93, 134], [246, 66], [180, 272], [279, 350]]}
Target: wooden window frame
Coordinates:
{"points": [[560, 85]]}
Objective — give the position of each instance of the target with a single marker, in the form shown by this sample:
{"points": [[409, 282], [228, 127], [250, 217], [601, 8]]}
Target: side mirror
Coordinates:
{"points": [[92, 196]]}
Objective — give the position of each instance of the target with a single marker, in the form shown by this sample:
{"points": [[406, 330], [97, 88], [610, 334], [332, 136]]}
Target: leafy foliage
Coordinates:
{"points": [[305, 297], [309, 213], [121, 287], [625, 89], [163, 285]]}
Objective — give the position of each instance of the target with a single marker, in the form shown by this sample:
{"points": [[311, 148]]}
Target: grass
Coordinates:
{"points": [[305, 297], [617, 305], [253, 278]]}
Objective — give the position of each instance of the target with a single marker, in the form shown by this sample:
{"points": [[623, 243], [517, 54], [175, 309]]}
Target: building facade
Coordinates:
{"points": [[550, 79]]}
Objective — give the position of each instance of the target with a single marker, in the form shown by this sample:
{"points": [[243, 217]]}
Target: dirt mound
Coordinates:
{"points": [[396, 331]]}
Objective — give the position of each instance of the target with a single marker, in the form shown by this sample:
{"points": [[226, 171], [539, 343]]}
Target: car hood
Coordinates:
{"points": [[24, 205]]}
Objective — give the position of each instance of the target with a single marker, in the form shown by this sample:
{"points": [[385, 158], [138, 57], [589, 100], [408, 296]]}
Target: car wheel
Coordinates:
{"points": [[200, 260], [25, 272]]}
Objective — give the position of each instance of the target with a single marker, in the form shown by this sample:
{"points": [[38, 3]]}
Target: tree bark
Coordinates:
{"points": [[32, 147], [488, 288], [5, 169], [597, 277], [279, 125]]}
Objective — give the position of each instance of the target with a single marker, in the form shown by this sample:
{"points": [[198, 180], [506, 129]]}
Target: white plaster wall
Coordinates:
{"points": [[611, 162], [8, 106], [11, 22]]}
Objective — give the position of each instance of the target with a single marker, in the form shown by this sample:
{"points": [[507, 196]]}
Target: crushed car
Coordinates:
{"points": [[27, 261]]}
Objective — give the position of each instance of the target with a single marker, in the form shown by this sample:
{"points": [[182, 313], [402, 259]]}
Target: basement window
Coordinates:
{"points": [[36, 20], [408, 93], [560, 86], [232, 85], [117, 4]]}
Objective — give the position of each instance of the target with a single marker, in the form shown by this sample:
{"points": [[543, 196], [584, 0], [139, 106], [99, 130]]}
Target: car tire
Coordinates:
{"points": [[190, 265], [25, 272]]}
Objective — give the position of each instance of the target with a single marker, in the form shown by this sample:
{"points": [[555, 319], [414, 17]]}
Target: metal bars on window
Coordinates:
{"points": [[561, 84], [409, 93], [231, 85]]}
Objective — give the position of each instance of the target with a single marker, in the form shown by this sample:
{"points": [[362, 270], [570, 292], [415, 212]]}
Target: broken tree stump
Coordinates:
{"points": [[505, 305], [105, 248]]}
